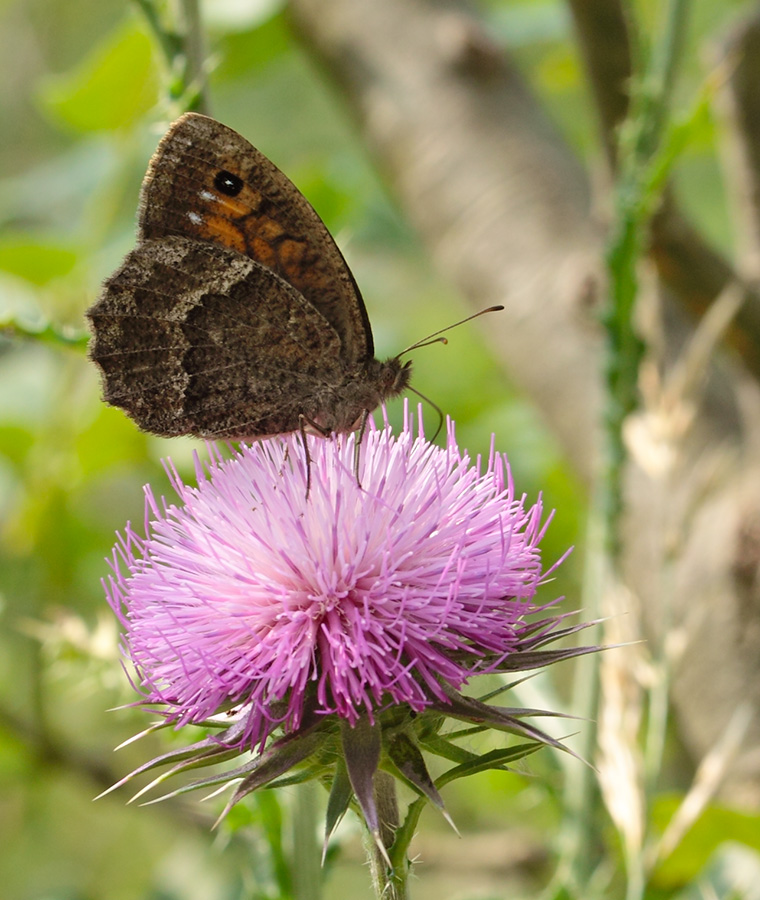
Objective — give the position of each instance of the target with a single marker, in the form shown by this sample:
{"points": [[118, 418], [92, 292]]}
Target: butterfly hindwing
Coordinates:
{"points": [[202, 340]]}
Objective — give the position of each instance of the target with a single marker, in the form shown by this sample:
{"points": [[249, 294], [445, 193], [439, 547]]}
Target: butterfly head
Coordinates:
{"points": [[394, 376]]}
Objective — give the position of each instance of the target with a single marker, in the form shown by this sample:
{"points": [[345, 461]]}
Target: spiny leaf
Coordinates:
{"points": [[472, 710], [446, 749], [338, 803], [208, 749], [362, 744], [537, 659], [406, 757], [494, 759], [277, 759]]}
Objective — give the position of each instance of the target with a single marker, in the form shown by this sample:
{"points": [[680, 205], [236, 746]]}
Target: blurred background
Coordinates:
{"points": [[83, 102]]}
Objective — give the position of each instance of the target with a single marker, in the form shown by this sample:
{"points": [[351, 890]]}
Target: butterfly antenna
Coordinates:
{"points": [[435, 338], [435, 407]]}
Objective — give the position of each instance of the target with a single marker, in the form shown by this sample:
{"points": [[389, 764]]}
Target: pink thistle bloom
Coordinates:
{"points": [[342, 623], [249, 595]]}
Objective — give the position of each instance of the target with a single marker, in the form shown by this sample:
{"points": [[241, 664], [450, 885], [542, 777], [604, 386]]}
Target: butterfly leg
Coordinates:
{"points": [[285, 460], [358, 444], [302, 423]]}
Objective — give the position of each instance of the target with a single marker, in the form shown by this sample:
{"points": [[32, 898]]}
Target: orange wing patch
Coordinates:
{"points": [[222, 231]]}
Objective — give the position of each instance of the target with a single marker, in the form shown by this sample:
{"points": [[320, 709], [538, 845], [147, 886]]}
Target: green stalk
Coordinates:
{"points": [[45, 333], [638, 191], [645, 157], [636, 195], [270, 811], [580, 825], [388, 883], [305, 861], [181, 42]]}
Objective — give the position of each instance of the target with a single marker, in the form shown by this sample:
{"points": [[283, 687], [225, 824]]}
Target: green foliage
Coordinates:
{"points": [[111, 88], [36, 261], [716, 827]]}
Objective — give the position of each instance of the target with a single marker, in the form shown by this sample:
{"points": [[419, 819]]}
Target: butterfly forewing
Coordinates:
{"points": [[207, 182]]}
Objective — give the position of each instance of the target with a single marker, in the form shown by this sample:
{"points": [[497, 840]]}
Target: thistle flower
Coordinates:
{"points": [[339, 625]]}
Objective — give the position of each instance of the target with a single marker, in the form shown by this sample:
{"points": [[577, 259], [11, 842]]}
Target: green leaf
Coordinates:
{"points": [[406, 757], [469, 709], [715, 826], [361, 751], [15, 444], [36, 261], [116, 84], [494, 759], [340, 799], [444, 748], [276, 759], [249, 51]]}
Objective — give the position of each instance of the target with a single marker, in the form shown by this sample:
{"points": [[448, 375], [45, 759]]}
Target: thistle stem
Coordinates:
{"points": [[306, 874], [388, 884]]}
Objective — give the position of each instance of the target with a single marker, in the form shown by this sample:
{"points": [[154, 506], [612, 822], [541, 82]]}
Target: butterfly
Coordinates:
{"points": [[236, 315]]}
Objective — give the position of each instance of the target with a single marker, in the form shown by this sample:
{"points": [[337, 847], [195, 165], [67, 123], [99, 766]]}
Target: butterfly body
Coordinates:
{"points": [[236, 315]]}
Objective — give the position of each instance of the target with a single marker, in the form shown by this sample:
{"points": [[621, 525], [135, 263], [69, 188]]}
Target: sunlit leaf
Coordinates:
{"points": [[35, 260], [714, 827], [116, 84]]}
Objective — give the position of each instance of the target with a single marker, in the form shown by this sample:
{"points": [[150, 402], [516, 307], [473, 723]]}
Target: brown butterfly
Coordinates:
{"points": [[236, 315]]}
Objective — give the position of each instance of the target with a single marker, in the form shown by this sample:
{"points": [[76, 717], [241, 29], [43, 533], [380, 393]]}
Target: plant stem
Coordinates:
{"points": [[195, 58], [388, 884], [643, 170], [641, 140], [46, 333], [305, 861], [270, 811], [580, 794], [181, 44]]}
